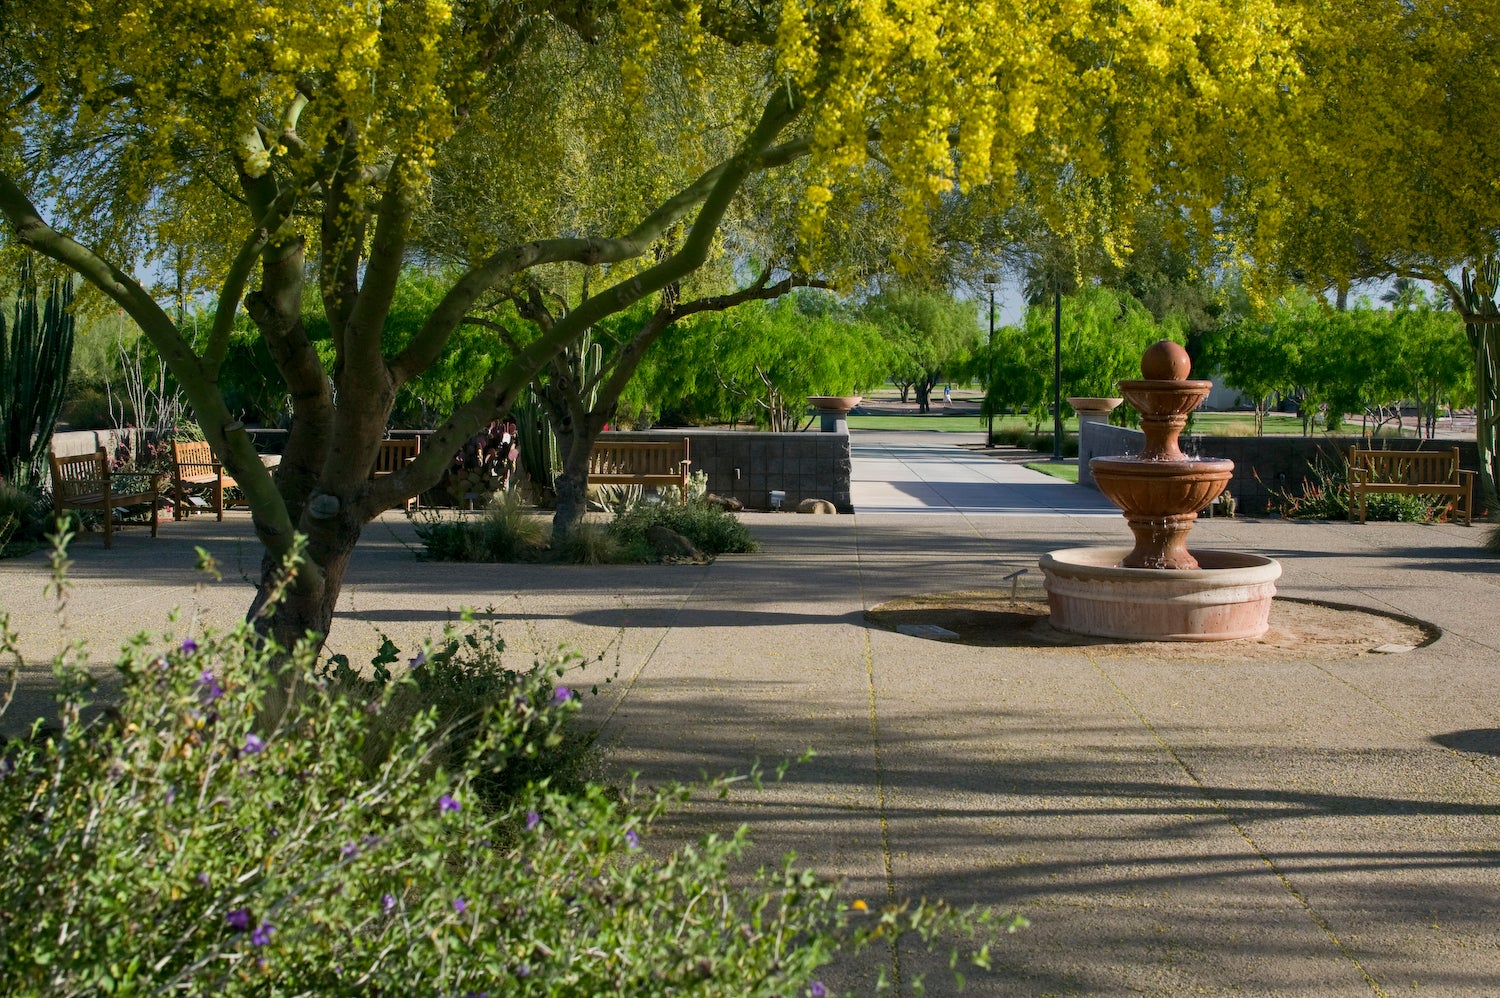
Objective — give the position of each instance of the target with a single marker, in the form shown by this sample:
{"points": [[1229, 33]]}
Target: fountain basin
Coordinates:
{"points": [[1228, 597]]}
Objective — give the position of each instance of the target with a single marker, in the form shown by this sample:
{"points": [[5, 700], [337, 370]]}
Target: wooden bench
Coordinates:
{"points": [[85, 482], [393, 455], [195, 470], [1410, 472], [640, 462]]}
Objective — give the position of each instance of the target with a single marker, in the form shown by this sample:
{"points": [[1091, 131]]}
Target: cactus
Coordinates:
{"points": [[537, 444], [35, 355]]}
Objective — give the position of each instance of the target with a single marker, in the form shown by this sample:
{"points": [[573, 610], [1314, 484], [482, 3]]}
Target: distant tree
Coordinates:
{"points": [[759, 362], [1260, 356], [1104, 333], [928, 333]]}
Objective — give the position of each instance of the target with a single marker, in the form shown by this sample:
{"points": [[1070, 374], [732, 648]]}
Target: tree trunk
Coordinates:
{"points": [[307, 604], [924, 391], [572, 484], [1487, 407]]}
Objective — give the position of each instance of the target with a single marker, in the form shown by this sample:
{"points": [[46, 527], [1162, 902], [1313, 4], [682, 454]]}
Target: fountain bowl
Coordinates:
{"points": [[1227, 597], [838, 404], [1160, 488]]}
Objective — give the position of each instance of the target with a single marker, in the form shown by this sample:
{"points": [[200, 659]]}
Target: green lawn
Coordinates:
{"points": [[1222, 424], [949, 423], [1066, 470]]}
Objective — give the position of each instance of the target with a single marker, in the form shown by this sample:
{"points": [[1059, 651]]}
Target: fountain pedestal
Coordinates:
{"points": [[1158, 589]]}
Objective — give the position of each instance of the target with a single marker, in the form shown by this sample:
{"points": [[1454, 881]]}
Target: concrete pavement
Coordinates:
{"points": [[1175, 825]]}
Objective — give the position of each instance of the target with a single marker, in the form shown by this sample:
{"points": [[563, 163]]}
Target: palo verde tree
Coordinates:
{"points": [[581, 385], [1387, 168], [264, 146]]}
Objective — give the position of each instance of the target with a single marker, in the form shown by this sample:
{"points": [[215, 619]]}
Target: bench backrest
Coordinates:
{"points": [[193, 454], [395, 454], [79, 474], [1412, 467], [638, 457]]}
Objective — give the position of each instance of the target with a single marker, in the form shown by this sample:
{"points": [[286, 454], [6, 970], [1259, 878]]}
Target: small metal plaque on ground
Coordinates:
{"points": [[931, 632]]}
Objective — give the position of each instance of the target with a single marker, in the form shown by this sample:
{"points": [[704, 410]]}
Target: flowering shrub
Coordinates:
{"points": [[218, 834], [1325, 496]]}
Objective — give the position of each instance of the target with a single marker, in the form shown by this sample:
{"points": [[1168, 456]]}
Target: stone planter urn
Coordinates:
{"points": [[835, 410], [1093, 409]]}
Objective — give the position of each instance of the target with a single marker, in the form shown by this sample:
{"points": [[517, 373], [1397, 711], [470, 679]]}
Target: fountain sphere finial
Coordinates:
{"points": [[1165, 361]]}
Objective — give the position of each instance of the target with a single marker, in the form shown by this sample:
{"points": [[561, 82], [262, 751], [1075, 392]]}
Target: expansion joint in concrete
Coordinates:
{"points": [[1228, 819]]}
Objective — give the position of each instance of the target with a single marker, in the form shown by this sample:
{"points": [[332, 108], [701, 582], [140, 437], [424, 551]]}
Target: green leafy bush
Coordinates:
{"points": [[712, 529], [508, 531], [1037, 440], [593, 544], [24, 519], [218, 835]]}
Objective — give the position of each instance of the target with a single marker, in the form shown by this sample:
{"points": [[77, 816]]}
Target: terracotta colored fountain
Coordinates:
{"points": [[1158, 590]]}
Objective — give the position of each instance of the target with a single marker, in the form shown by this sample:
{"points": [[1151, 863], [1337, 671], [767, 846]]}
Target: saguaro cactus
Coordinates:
{"points": [[35, 355]]}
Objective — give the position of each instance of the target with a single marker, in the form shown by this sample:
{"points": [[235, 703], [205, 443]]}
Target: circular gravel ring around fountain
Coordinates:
{"points": [[1301, 631], [1227, 597]]}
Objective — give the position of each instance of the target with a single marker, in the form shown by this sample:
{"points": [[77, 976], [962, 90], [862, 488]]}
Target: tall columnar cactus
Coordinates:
{"points": [[35, 355]]}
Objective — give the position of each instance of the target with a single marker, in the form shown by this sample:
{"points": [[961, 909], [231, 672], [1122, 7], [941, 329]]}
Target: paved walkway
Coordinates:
{"points": [[932, 472], [1185, 824]]}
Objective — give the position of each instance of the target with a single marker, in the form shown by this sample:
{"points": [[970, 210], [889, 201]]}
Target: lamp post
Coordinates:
{"points": [[1057, 429], [990, 280]]}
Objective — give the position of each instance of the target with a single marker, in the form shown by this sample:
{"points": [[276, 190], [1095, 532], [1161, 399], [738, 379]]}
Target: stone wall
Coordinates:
{"points": [[1261, 464], [748, 465]]}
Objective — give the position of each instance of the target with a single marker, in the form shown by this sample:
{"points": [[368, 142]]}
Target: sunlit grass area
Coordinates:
{"points": [[1221, 424], [1066, 470]]}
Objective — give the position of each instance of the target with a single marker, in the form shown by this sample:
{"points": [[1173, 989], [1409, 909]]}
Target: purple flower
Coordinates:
{"points": [[418, 660], [239, 919], [817, 990], [522, 970], [253, 744], [387, 903], [460, 905], [349, 851], [171, 794], [631, 839], [7, 766], [562, 695], [209, 689], [262, 934], [532, 820], [204, 880], [447, 805], [189, 646]]}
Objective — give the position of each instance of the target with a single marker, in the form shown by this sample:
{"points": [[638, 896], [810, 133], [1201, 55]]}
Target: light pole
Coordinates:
{"points": [[990, 280], [1057, 429]]}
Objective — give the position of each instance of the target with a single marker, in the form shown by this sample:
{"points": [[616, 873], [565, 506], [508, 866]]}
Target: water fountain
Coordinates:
{"points": [[1158, 590]]}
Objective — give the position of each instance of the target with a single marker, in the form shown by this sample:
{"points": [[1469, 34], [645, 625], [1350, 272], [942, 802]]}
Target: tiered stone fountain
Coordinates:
{"points": [[1158, 590]]}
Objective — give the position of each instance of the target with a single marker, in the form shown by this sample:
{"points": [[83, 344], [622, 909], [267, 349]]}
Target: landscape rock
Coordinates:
{"points": [[673, 547], [729, 503], [816, 506]]}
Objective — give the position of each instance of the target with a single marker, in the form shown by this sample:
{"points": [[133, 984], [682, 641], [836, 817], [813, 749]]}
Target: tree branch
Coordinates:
{"points": [[500, 393], [425, 347]]}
